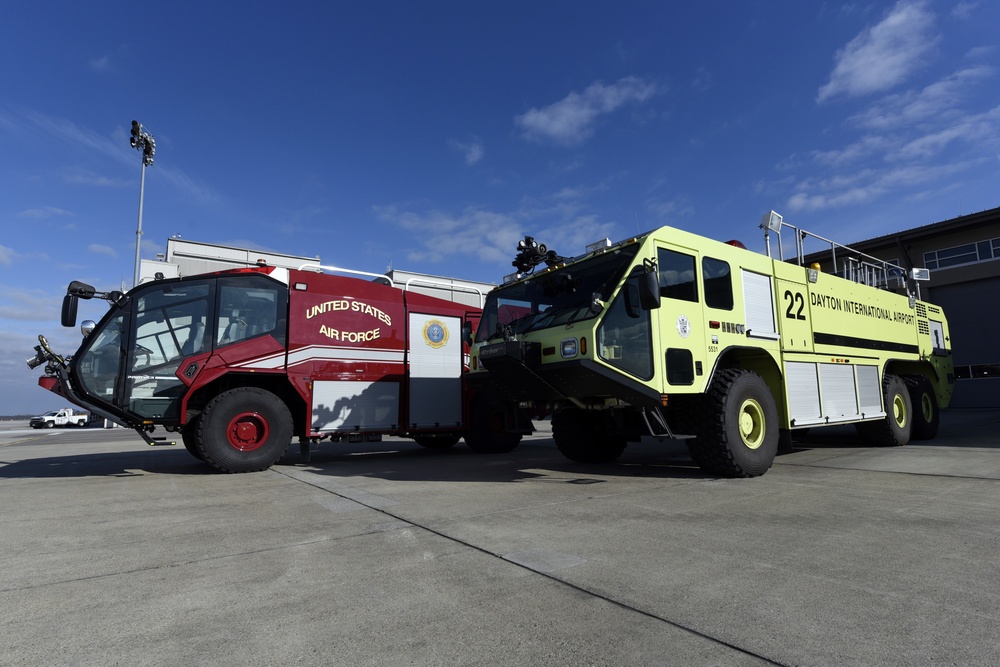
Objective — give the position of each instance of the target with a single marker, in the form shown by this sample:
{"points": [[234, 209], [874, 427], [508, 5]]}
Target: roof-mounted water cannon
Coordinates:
{"points": [[530, 254]]}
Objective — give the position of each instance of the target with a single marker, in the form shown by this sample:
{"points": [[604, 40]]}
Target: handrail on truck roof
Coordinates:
{"points": [[321, 267]]}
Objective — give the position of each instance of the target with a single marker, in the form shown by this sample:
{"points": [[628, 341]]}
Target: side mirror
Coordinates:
{"points": [[467, 333], [87, 327], [596, 305], [69, 306], [82, 290], [649, 290]]}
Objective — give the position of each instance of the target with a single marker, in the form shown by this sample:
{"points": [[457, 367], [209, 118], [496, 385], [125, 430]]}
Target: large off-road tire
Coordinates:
{"points": [[896, 428], [244, 430], [926, 417], [437, 440], [487, 432], [189, 436], [585, 436], [738, 426]]}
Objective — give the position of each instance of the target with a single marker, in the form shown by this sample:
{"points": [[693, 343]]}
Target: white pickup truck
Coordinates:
{"points": [[64, 417]]}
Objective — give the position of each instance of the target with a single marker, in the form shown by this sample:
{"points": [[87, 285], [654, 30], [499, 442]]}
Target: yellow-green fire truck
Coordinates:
{"points": [[674, 335]]}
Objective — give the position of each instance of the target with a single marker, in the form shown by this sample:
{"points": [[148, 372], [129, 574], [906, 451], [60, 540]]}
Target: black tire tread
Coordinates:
{"points": [[218, 456], [711, 450], [922, 429], [881, 433]]}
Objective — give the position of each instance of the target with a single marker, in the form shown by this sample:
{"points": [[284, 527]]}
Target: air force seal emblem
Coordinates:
{"points": [[435, 333]]}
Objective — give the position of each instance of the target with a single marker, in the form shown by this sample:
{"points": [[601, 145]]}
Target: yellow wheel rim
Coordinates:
{"points": [[927, 407], [899, 410], [752, 424]]}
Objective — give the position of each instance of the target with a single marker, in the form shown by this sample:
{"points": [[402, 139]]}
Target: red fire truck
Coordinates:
{"points": [[239, 362]]}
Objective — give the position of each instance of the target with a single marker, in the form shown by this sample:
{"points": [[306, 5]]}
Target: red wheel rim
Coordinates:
{"points": [[247, 431]]}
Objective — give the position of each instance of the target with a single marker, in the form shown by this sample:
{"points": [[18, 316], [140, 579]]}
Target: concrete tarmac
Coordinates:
{"points": [[116, 553]]}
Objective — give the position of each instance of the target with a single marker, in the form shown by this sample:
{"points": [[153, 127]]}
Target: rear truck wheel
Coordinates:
{"points": [[487, 432], [926, 417], [738, 429], [244, 430], [586, 436], [189, 435], [895, 430], [437, 440]]}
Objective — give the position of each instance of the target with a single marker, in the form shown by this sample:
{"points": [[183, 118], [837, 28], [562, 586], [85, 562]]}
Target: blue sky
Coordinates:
{"points": [[433, 135]]}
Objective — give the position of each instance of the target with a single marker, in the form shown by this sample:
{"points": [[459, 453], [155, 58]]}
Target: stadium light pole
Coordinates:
{"points": [[143, 142]]}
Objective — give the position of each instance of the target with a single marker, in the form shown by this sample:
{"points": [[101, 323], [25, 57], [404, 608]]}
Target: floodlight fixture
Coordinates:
{"points": [[143, 142], [771, 221]]}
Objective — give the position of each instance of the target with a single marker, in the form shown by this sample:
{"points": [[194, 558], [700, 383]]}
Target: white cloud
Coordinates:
{"points": [[102, 250], [473, 150], [82, 177], [870, 184], [571, 120], [883, 55], [929, 104], [6, 255], [33, 126], [43, 213], [491, 237], [101, 63]]}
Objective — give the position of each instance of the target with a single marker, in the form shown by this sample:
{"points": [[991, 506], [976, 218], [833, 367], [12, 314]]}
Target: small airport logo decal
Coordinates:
{"points": [[683, 326]]}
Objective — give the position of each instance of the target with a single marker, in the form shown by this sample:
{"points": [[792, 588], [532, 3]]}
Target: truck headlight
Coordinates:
{"points": [[568, 349]]}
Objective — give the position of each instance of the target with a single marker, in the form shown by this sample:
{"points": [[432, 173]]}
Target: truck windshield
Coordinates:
{"points": [[554, 298]]}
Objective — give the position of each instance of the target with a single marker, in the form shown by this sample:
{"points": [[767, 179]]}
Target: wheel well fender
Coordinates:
{"points": [[276, 383], [764, 364]]}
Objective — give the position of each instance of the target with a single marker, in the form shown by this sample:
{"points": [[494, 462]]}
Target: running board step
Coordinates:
{"points": [[156, 441]]}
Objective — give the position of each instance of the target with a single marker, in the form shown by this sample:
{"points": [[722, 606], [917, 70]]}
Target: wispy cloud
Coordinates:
{"points": [[87, 178], [36, 127], [473, 150], [865, 186], [102, 250], [6, 255], [883, 55], [100, 63], [931, 103], [558, 220], [43, 213], [571, 120], [912, 142]]}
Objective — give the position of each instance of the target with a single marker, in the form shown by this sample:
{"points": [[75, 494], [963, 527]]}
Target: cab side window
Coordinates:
{"points": [[677, 275], [718, 283], [250, 307]]}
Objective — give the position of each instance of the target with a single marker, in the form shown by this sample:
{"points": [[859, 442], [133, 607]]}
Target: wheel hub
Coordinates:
{"points": [[752, 424], [899, 410], [247, 431], [927, 407]]}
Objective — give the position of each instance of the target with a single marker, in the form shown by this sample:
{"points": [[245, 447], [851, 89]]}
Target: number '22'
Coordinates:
{"points": [[793, 299]]}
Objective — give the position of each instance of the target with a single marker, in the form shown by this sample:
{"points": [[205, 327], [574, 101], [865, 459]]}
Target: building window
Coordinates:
{"points": [[970, 253]]}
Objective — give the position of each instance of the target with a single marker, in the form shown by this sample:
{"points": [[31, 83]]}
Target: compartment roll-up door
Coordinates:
{"points": [[758, 301]]}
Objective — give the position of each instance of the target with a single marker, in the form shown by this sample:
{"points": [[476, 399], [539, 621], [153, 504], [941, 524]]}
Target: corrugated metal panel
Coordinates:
{"points": [[840, 398], [870, 390], [350, 407], [758, 299], [803, 391]]}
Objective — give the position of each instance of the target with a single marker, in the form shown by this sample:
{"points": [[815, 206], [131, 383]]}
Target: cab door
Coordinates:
{"points": [[681, 322], [169, 325]]}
